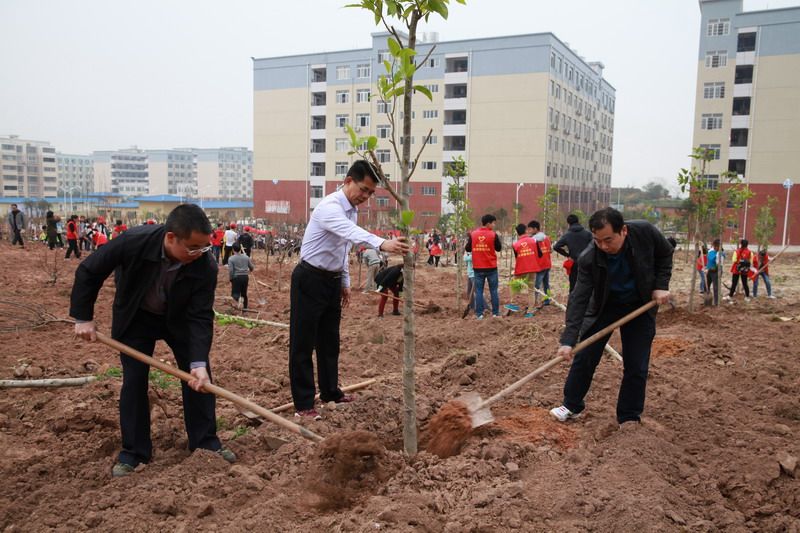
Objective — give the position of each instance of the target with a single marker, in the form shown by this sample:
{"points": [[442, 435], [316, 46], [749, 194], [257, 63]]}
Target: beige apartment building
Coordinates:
{"points": [[75, 174], [748, 105], [525, 112], [28, 168]]}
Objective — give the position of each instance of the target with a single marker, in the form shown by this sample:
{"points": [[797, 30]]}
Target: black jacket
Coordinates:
{"points": [[575, 240], [650, 258], [137, 254], [389, 277]]}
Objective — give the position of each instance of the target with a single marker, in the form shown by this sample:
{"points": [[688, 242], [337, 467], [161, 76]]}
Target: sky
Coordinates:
{"points": [[90, 75]]}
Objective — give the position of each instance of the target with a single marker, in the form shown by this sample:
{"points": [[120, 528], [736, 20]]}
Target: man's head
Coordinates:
{"points": [[534, 226], [188, 233], [716, 244], [237, 247], [609, 230], [119, 222], [488, 221], [14, 207], [743, 243], [521, 229], [572, 219], [360, 183]]}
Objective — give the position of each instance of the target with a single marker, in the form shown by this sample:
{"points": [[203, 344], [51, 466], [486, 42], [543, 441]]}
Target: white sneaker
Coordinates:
{"points": [[746, 298], [771, 297], [562, 414], [726, 298]]}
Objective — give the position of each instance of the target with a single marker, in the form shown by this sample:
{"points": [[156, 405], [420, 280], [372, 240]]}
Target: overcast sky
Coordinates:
{"points": [[106, 74]]}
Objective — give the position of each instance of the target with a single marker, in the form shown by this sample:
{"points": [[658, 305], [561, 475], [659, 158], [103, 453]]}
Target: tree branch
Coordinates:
{"points": [[421, 148]]}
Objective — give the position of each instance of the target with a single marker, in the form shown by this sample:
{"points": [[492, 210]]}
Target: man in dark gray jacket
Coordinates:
{"points": [[626, 266], [16, 225], [572, 244]]}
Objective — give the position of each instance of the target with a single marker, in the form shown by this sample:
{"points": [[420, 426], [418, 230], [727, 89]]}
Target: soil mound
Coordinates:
{"points": [[448, 429]]}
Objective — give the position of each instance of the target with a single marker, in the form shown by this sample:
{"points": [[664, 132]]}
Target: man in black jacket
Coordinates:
{"points": [[165, 290], [626, 266], [572, 244]]}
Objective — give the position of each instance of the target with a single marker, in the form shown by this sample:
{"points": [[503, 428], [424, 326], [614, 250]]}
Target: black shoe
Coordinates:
{"points": [[122, 470], [227, 454]]}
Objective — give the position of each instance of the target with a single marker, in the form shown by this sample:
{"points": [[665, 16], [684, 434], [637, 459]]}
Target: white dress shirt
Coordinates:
{"points": [[331, 232]]}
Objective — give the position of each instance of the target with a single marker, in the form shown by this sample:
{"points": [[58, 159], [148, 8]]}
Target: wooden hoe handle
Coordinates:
{"points": [[213, 389]]}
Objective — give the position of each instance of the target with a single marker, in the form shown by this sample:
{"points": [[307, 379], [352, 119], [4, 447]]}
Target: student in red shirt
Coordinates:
{"points": [[484, 244], [436, 253], [72, 237], [526, 261], [544, 252], [216, 241]]}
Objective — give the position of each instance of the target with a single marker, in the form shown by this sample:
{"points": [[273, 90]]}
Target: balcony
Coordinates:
{"points": [[743, 90], [740, 122], [317, 157], [318, 86], [455, 77], [455, 103], [745, 58], [454, 130], [737, 152], [318, 110]]}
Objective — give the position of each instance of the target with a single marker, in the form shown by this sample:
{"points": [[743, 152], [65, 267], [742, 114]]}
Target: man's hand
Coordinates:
{"points": [[86, 331], [662, 297], [565, 352], [201, 378], [396, 246], [345, 297]]}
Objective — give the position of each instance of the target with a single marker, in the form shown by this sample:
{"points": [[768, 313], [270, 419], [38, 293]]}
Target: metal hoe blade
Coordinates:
{"points": [[478, 412]]}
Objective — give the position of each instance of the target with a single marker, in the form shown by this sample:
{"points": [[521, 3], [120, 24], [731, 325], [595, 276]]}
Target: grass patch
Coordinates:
{"points": [[240, 431], [112, 372], [162, 380]]}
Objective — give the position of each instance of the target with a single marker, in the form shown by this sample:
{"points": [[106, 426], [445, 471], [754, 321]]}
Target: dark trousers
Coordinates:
{"points": [[134, 406], [216, 251], [226, 254], [239, 289], [637, 339], [573, 276], [712, 285], [17, 238], [384, 297], [72, 246], [316, 311], [735, 282]]}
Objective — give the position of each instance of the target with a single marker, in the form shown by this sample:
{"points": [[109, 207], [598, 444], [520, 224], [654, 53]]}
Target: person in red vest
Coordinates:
{"points": [[544, 252], [119, 229], [216, 241], [436, 253], [99, 238], [484, 244], [526, 262], [761, 270], [740, 266], [72, 237], [701, 265]]}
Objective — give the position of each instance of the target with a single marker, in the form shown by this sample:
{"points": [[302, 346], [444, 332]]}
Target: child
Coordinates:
{"points": [[700, 264], [390, 279], [239, 268]]}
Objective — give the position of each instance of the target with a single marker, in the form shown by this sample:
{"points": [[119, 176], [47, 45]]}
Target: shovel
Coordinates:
{"points": [[423, 306], [213, 389], [259, 295], [479, 411]]}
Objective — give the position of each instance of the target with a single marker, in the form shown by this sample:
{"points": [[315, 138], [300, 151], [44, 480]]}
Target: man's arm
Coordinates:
{"points": [[662, 260], [560, 247], [200, 319], [498, 243], [578, 301], [90, 276], [468, 246]]}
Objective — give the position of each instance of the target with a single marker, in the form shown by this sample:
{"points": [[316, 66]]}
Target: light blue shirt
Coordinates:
{"points": [[331, 232]]}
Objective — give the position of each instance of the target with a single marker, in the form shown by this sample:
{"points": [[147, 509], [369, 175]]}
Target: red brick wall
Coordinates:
{"points": [[762, 192]]}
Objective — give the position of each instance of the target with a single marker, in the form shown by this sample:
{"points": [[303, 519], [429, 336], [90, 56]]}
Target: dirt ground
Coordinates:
{"points": [[717, 449]]}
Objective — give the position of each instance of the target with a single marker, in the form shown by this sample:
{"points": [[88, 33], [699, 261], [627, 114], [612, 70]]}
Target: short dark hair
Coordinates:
{"points": [[520, 229], [119, 222], [360, 170], [187, 218], [237, 247], [715, 243], [605, 216], [534, 224], [13, 206], [744, 243], [488, 219], [572, 219]]}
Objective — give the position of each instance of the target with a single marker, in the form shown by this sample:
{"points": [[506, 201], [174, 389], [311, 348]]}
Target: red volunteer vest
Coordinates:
{"points": [[527, 260], [483, 252], [72, 231], [545, 261], [741, 254]]}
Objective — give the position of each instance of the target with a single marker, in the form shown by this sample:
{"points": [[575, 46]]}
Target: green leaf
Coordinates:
{"points": [[387, 66], [352, 134], [407, 53], [407, 218], [424, 90], [394, 46], [372, 142]]}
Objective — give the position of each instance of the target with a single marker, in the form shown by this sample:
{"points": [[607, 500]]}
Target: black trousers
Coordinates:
{"points": [[239, 289], [316, 311], [226, 254], [573, 276], [17, 237], [735, 282], [134, 406], [72, 246], [637, 340]]}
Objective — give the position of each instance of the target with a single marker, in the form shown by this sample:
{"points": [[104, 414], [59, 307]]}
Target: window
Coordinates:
{"points": [[428, 190], [382, 131], [342, 145], [741, 106], [746, 42], [341, 168], [717, 27], [711, 121], [714, 90], [429, 165], [362, 95], [744, 74], [342, 97], [342, 120], [362, 119], [433, 140], [363, 70], [382, 201], [553, 60], [316, 191], [434, 62], [716, 58], [430, 113], [384, 107], [383, 55], [343, 72], [712, 149], [384, 156], [739, 137]]}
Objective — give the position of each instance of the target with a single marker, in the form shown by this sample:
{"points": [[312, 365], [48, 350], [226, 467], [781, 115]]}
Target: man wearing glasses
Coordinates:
{"points": [[165, 290], [321, 288]]}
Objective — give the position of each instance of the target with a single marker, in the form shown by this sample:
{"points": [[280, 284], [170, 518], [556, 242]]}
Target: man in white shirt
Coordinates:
{"points": [[230, 237], [321, 288]]}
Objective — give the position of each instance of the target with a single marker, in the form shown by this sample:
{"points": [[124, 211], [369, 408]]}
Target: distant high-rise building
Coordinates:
{"points": [[747, 108], [172, 172], [225, 172], [122, 172], [75, 173], [28, 168], [526, 112]]}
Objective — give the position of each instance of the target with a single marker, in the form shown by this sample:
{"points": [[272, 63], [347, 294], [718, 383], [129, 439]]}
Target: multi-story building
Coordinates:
{"points": [[525, 112], [172, 172], [748, 102], [75, 174], [122, 171], [225, 172], [28, 168]]}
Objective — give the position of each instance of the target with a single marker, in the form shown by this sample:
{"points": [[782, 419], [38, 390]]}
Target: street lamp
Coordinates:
{"points": [[788, 186], [516, 203]]}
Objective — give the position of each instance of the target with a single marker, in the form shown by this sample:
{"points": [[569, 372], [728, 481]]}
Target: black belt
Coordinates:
{"points": [[322, 272]]}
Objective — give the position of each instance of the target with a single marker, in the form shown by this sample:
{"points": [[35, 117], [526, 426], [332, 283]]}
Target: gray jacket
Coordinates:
{"points": [[20, 220], [239, 265]]}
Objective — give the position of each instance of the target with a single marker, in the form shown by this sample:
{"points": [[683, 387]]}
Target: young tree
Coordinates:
{"points": [[765, 223], [709, 198], [548, 209], [460, 220], [397, 82]]}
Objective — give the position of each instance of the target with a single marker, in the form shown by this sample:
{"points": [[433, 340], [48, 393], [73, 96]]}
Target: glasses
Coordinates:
{"points": [[197, 251]]}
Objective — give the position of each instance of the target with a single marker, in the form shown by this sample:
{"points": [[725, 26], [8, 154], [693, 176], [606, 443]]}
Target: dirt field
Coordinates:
{"points": [[717, 449]]}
